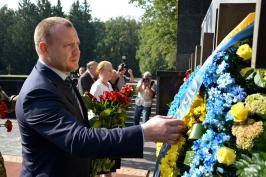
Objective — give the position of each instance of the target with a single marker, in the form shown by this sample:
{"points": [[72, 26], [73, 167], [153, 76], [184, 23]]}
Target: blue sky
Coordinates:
{"points": [[102, 9]]}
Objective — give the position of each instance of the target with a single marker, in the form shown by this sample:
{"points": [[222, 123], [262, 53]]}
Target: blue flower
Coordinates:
{"points": [[210, 75], [225, 80], [229, 99], [212, 92], [238, 93], [210, 119], [222, 67]]}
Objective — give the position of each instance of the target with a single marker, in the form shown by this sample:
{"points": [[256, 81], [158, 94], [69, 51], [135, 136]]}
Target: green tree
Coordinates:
{"points": [[44, 9], [157, 49], [58, 10], [20, 49], [80, 16], [121, 39], [100, 48], [7, 20]]}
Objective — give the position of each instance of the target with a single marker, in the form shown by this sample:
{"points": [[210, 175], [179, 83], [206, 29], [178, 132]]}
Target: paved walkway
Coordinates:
{"points": [[10, 147]]}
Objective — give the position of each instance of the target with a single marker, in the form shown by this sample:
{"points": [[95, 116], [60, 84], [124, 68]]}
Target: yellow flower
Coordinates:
{"points": [[243, 71], [264, 75], [239, 112], [158, 148], [168, 163], [244, 51], [226, 155], [196, 112]]}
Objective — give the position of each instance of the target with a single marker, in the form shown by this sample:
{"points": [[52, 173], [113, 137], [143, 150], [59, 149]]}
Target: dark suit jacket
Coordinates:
{"points": [[56, 138], [85, 82]]}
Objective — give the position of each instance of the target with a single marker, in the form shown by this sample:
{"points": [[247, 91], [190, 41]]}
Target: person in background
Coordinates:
{"points": [[56, 138], [105, 72], [114, 80], [123, 79], [81, 70], [88, 78], [146, 89]]}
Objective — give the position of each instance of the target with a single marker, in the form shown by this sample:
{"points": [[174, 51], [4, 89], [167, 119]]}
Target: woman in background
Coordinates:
{"points": [[105, 72]]}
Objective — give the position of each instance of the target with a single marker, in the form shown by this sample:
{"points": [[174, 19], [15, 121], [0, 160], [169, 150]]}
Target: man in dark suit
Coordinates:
{"points": [[56, 138], [88, 78]]}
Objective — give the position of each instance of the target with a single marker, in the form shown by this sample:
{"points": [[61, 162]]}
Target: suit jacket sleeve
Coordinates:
{"points": [[44, 111]]}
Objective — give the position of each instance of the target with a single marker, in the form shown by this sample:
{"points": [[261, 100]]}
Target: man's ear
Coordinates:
{"points": [[43, 47]]}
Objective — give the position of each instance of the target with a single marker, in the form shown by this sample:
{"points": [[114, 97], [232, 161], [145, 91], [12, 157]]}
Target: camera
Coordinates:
{"points": [[123, 63], [124, 59], [145, 80], [122, 66]]}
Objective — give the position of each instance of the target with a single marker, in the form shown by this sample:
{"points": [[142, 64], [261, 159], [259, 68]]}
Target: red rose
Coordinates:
{"points": [[90, 96], [108, 96], [8, 125], [3, 109], [122, 98], [126, 90]]}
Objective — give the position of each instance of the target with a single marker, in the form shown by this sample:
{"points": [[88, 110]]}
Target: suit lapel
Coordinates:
{"points": [[85, 113], [64, 90]]}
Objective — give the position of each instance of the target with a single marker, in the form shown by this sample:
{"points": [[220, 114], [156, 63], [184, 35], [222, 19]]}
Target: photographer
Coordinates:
{"points": [[146, 89], [122, 79]]}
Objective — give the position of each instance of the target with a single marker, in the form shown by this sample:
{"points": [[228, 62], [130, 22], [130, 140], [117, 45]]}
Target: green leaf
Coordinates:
{"points": [[258, 79], [97, 124], [250, 167], [87, 102], [94, 122], [188, 158], [250, 75], [105, 113]]}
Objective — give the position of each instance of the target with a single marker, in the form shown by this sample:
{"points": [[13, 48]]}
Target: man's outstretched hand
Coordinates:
{"points": [[164, 129]]}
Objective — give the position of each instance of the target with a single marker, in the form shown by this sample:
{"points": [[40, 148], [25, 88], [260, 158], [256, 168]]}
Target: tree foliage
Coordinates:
{"points": [[81, 18], [157, 49], [7, 20], [121, 39], [108, 40]]}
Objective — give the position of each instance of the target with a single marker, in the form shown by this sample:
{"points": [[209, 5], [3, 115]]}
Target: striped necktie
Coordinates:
{"points": [[70, 85]]}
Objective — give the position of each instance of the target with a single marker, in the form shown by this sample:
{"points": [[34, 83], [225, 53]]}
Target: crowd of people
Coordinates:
{"points": [[100, 77]]}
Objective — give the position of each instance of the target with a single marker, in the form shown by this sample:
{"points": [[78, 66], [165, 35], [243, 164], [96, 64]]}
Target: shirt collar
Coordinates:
{"points": [[61, 74]]}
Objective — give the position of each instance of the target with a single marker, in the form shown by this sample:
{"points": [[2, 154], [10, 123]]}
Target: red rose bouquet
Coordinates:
{"points": [[5, 106], [109, 112]]}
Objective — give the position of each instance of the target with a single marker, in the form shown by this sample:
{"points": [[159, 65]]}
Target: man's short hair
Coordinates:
{"points": [[90, 64], [44, 29]]}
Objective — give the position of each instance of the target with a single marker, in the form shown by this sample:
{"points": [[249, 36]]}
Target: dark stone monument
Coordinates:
{"points": [[207, 47], [168, 83], [259, 38], [190, 14], [197, 55]]}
